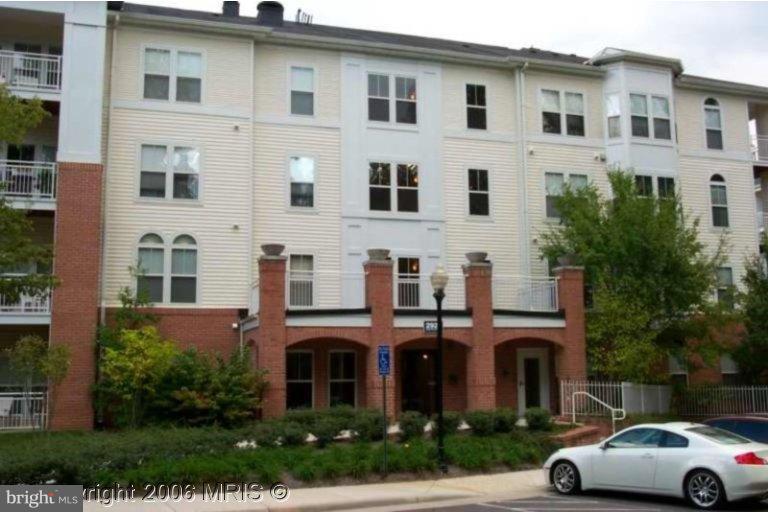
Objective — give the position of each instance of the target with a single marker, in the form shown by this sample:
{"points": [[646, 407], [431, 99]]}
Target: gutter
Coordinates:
{"points": [[710, 84], [522, 180]]}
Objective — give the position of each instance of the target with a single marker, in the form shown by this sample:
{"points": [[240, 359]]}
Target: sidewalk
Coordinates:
{"points": [[517, 484]]}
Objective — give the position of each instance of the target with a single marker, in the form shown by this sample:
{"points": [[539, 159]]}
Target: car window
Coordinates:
{"points": [[754, 430], [718, 435], [674, 441], [637, 438]]}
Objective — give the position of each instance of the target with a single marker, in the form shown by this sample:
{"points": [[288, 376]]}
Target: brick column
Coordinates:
{"points": [[75, 314], [379, 297], [271, 334], [481, 373], [571, 359]]}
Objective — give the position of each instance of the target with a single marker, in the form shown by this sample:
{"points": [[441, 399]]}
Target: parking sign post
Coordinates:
{"points": [[384, 364]]}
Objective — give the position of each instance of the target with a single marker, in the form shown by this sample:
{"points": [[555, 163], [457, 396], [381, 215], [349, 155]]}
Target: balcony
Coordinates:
{"points": [[414, 291], [20, 410], [35, 74], [325, 290], [27, 310], [525, 293], [29, 184], [760, 148]]}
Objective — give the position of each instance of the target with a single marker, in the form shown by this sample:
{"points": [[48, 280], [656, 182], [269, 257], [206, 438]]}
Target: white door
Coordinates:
{"points": [[532, 379], [628, 460]]}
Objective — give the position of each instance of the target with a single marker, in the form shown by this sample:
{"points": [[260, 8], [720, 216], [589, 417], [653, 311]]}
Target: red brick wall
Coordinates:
{"points": [[506, 371], [271, 334], [481, 378], [571, 361], [77, 261]]}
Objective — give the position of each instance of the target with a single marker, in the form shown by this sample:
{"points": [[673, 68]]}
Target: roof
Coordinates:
{"points": [[352, 34], [608, 55]]}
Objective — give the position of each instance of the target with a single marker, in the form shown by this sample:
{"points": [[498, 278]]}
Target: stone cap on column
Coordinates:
{"points": [[378, 257], [477, 262], [272, 252]]}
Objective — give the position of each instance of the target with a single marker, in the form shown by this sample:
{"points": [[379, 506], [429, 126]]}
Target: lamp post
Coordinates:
{"points": [[439, 280]]}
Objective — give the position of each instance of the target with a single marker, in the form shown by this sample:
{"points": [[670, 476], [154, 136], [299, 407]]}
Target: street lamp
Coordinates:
{"points": [[439, 280]]}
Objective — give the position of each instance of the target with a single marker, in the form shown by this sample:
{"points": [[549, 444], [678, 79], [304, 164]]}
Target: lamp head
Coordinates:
{"points": [[439, 278]]}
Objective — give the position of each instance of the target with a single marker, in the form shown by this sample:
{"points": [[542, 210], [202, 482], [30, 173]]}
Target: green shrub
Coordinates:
{"points": [[325, 429], [504, 419], [293, 433], [344, 413], [412, 425], [369, 425], [451, 422], [306, 417], [482, 423], [538, 419], [266, 433]]}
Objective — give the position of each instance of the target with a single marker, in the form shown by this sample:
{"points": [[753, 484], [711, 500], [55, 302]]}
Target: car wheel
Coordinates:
{"points": [[704, 490], [565, 478]]}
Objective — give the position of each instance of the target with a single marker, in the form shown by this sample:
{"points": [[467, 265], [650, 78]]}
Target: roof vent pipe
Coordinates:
{"points": [[231, 9], [270, 13]]}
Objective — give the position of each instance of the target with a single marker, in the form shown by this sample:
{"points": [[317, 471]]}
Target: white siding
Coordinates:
{"points": [[690, 123]]}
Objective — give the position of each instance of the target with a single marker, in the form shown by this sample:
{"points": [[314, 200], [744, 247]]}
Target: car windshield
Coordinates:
{"points": [[718, 435]]}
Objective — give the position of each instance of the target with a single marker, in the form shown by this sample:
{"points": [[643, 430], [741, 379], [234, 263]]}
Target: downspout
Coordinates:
{"points": [[522, 178]]}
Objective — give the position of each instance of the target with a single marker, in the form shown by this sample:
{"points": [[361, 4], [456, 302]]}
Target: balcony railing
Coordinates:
{"points": [[414, 291], [525, 293], [22, 411], [32, 71], [318, 289], [760, 148], [20, 179], [26, 305]]}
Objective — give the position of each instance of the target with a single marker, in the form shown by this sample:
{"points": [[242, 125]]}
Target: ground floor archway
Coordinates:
{"points": [[526, 374]]}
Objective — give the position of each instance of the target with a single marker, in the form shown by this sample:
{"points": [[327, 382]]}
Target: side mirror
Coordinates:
{"points": [[605, 445]]}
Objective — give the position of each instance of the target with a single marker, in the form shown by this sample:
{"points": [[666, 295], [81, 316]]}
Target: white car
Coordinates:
{"points": [[706, 465]]}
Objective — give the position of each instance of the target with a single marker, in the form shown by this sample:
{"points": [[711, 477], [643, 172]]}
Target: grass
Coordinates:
{"points": [[206, 455]]}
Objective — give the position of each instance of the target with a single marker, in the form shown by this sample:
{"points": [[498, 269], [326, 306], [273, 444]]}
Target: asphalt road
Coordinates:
{"points": [[590, 502]]}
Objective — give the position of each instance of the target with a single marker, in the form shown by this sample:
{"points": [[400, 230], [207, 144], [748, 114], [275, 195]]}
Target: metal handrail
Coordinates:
{"points": [[614, 410]]}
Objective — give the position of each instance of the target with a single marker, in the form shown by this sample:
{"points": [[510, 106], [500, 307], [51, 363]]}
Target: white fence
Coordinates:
{"points": [[26, 305], [720, 400], [318, 289], [628, 396], [34, 71], [525, 293], [22, 411], [29, 180], [760, 147], [414, 291]]}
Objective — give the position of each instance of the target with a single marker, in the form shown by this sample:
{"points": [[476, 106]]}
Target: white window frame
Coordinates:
{"points": [[417, 279], [467, 106], [289, 181], [647, 116], [311, 381], [406, 100], [331, 380], [170, 147], [171, 275], [398, 187], [618, 116], [720, 109], [392, 99], [563, 112], [654, 117], [718, 287], [167, 247], [161, 246], [312, 279], [470, 216], [674, 367], [290, 89], [566, 181], [174, 50], [650, 177], [733, 366], [712, 206], [394, 204], [664, 176]]}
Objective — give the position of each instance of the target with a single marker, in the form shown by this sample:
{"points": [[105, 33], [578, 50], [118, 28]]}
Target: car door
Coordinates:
{"points": [[672, 458], [628, 460]]}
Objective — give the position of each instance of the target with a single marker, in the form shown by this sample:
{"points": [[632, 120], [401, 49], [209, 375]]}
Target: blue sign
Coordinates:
{"points": [[384, 360]]}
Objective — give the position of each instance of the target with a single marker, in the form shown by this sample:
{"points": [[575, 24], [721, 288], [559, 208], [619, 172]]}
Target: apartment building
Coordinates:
{"points": [[291, 187]]}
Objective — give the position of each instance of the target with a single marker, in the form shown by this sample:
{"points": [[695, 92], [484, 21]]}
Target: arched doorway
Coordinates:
{"points": [[526, 374]]}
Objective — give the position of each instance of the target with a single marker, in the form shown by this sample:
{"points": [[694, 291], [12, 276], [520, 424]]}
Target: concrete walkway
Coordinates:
{"points": [[517, 484]]}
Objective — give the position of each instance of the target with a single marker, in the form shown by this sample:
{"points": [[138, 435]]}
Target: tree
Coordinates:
{"points": [[33, 358], [650, 276], [751, 354], [17, 249]]}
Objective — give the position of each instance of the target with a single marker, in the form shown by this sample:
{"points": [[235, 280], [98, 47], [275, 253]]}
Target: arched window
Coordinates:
{"points": [[151, 266], [184, 270], [713, 123], [719, 200]]}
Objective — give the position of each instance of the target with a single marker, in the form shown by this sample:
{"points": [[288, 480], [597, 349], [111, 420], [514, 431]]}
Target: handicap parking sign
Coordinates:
{"points": [[383, 360]]}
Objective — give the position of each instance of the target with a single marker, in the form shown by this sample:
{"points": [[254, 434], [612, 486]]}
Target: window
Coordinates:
{"points": [[724, 292], [550, 112], [672, 440], [678, 372], [173, 75], [302, 170], [718, 436], [644, 185], [379, 186], [729, 370], [639, 109], [299, 380], [21, 152], [378, 98], [405, 89], [661, 123], [184, 270], [302, 91], [719, 199], [479, 203], [574, 113], [666, 187], [301, 280], [151, 263], [407, 188], [637, 438], [554, 184], [713, 124], [613, 113], [342, 378], [476, 107], [168, 168], [408, 289]]}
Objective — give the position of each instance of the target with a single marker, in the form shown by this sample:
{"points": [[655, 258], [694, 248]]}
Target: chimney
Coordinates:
{"points": [[231, 9], [270, 13]]}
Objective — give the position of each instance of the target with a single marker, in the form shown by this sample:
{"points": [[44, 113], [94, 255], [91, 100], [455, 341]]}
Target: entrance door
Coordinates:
{"points": [[418, 381], [532, 379]]}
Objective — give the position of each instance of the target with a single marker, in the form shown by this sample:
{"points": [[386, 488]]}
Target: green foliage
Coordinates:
{"points": [[369, 424], [32, 357], [130, 315], [504, 419], [482, 423], [412, 424], [451, 422], [538, 419], [293, 433], [18, 116], [649, 273], [326, 429], [751, 354], [266, 433]]}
